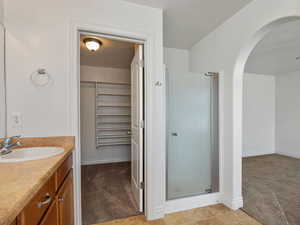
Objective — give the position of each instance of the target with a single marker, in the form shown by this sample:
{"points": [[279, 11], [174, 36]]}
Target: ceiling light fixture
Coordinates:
{"points": [[92, 44]]}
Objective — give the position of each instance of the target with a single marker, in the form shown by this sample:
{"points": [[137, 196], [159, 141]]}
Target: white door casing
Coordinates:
{"points": [[2, 83], [137, 126]]}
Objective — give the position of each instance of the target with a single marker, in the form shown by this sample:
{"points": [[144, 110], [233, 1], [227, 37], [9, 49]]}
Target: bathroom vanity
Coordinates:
{"points": [[39, 192], [53, 203]]}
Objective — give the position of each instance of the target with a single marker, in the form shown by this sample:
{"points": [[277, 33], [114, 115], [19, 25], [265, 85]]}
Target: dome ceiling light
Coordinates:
{"points": [[92, 44]]}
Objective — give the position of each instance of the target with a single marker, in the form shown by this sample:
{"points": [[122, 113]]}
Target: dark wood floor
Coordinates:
{"points": [[106, 193], [271, 189]]}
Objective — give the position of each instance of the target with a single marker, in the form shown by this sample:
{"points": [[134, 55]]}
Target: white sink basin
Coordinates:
{"points": [[34, 153]]}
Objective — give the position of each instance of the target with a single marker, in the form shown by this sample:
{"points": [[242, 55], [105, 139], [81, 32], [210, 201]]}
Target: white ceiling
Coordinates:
{"points": [[113, 54], [188, 21], [276, 54]]}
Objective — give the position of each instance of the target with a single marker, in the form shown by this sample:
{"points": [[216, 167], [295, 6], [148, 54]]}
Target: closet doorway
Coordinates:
{"points": [[112, 128]]}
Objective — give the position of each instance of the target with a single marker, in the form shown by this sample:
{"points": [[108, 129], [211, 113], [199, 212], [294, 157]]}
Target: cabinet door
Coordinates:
{"points": [[39, 204], [63, 171], [51, 217], [65, 201]]}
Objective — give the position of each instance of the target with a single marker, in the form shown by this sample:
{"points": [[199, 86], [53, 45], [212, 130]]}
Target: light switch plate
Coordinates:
{"points": [[17, 120]]}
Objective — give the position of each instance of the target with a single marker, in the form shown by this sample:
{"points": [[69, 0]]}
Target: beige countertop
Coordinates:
{"points": [[19, 182]]}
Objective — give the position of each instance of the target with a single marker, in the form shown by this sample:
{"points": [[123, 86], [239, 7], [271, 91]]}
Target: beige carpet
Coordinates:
{"points": [[271, 189], [106, 193]]}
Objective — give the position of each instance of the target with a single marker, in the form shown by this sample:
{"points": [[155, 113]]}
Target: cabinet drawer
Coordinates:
{"points": [[51, 217], [63, 171], [33, 212]]}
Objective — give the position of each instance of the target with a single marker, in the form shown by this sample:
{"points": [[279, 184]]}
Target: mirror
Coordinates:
{"points": [[2, 83]]}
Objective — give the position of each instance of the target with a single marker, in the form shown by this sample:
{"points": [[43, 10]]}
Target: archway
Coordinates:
{"points": [[238, 75]]}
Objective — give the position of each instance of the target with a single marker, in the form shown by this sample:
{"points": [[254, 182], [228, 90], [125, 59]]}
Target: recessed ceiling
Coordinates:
{"points": [[113, 53], [277, 53], [188, 21]]}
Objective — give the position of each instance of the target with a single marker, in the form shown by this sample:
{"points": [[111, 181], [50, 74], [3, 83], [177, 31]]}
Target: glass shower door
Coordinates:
{"points": [[192, 134]]}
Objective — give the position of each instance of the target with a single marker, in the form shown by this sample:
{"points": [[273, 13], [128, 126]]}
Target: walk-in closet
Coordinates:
{"points": [[106, 70]]}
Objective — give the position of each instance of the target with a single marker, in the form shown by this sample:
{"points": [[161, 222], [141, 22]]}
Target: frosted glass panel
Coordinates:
{"points": [[192, 134]]}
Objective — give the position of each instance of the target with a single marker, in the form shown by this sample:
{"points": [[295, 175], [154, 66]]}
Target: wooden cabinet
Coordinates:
{"points": [[51, 217], [53, 204], [65, 202], [39, 204], [63, 171]]}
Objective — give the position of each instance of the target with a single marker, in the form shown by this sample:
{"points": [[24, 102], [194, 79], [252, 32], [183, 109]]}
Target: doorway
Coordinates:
{"points": [[270, 126], [112, 127]]}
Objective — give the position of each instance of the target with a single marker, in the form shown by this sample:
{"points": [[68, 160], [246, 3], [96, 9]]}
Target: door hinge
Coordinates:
{"points": [[142, 124], [208, 190], [142, 185], [141, 63]]}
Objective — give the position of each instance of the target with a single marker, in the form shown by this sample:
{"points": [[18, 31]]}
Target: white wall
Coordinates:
{"points": [[104, 74], [271, 115], [2, 79], [39, 35], [288, 114], [1, 11], [89, 153], [258, 115], [226, 49]]}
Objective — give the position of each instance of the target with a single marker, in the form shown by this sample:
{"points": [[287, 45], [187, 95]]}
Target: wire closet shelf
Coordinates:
{"points": [[112, 114]]}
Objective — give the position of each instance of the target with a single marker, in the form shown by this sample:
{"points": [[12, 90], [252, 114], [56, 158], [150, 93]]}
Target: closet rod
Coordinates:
{"points": [[112, 114], [113, 129], [106, 82], [112, 94], [112, 144], [114, 122], [112, 136], [111, 106]]}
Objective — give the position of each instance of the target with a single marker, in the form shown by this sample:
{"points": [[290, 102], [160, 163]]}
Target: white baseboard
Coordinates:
{"points": [[258, 154], [104, 161], [158, 213], [289, 154], [192, 202], [234, 204]]}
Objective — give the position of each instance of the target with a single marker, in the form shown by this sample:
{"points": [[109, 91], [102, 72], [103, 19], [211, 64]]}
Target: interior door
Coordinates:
{"points": [[137, 126]]}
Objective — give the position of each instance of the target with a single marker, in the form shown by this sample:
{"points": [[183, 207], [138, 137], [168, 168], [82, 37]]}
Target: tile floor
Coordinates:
{"points": [[210, 215]]}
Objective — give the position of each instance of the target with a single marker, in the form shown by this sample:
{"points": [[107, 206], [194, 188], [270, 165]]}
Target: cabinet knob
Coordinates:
{"points": [[61, 199]]}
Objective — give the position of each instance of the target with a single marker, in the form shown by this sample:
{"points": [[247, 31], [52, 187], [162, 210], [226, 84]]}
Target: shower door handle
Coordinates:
{"points": [[175, 134]]}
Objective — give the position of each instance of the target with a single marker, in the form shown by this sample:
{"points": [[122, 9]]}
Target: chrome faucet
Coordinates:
{"points": [[7, 145]]}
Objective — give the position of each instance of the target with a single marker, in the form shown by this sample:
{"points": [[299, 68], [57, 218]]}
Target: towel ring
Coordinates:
{"points": [[41, 78]]}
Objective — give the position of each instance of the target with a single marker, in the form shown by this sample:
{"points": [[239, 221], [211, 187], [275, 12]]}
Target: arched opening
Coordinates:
{"points": [[238, 95]]}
